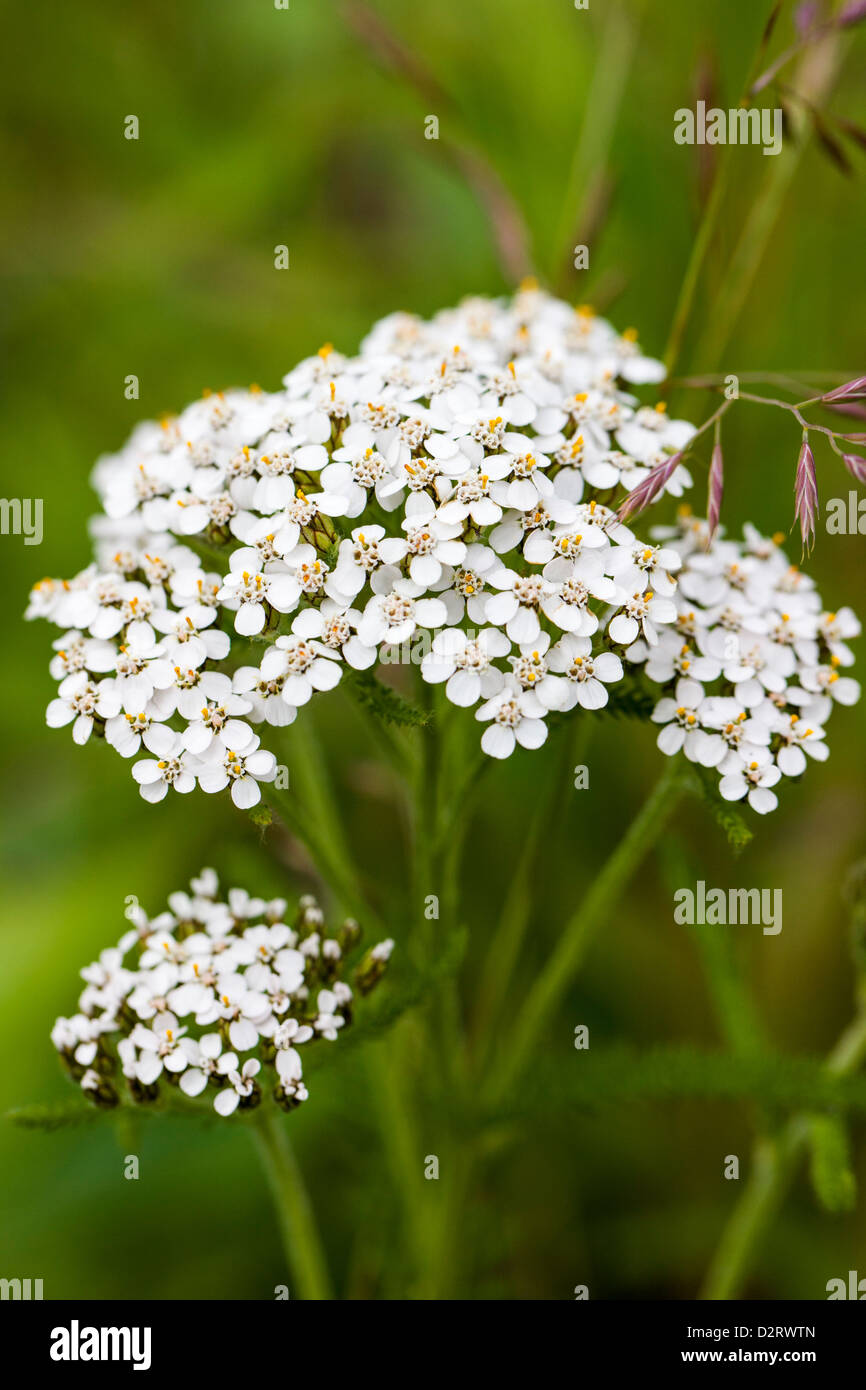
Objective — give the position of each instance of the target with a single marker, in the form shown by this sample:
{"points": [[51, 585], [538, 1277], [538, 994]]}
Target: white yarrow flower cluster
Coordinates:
{"points": [[752, 667], [446, 487], [446, 496], [213, 995]]}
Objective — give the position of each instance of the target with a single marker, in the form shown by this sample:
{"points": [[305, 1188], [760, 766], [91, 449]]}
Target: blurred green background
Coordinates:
{"points": [[258, 127]]}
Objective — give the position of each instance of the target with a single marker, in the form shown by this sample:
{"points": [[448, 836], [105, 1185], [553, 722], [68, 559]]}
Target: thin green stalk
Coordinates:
{"points": [[322, 829], [454, 820], [774, 1166], [436, 864], [308, 765], [451, 1263], [737, 1018], [505, 946], [336, 875], [579, 932], [313, 816], [300, 1236], [426, 846]]}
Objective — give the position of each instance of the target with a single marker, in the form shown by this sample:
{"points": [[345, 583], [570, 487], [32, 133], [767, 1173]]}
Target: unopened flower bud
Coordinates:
{"points": [[373, 966]]}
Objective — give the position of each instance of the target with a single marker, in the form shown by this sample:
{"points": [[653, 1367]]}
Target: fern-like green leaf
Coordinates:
{"points": [[619, 1075], [724, 813], [630, 699], [383, 701], [60, 1114]]}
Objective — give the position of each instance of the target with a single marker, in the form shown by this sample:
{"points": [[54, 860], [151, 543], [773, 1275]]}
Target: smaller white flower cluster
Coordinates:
{"points": [[213, 994], [752, 666]]}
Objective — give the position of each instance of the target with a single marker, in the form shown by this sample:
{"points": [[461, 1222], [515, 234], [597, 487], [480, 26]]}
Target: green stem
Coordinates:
{"points": [[504, 950], [336, 876], [308, 764], [774, 1166], [436, 865], [436, 869], [580, 930], [404, 1150], [311, 813], [737, 1018], [298, 1229]]}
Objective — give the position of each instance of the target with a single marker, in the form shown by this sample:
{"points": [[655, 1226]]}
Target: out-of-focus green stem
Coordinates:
{"points": [[298, 1228], [309, 810], [434, 877], [404, 1151], [425, 830], [578, 933], [337, 876], [435, 871], [504, 950], [774, 1165]]}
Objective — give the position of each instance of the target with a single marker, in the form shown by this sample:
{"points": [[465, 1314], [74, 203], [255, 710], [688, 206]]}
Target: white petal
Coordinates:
{"points": [[226, 1102], [193, 1082], [243, 1034], [531, 733], [498, 741]]}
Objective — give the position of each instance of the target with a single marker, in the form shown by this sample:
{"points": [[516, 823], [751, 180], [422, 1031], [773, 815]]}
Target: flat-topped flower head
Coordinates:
{"points": [[445, 495], [212, 1000]]}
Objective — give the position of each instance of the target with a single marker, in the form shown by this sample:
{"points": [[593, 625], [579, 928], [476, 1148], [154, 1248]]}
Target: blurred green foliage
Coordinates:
{"points": [[261, 126]]}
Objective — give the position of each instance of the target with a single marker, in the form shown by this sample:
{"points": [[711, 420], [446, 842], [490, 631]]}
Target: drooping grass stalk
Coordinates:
{"points": [[774, 1165], [600, 114], [580, 930], [506, 222], [298, 1229], [704, 235], [814, 80]]}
